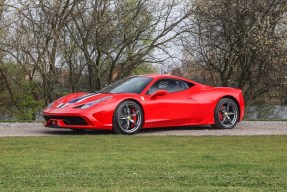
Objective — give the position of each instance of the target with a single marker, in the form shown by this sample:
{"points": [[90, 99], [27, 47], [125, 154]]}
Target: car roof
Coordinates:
{"points": [[157, 76]]}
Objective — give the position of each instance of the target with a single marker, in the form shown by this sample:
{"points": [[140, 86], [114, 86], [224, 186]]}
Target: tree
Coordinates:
{"points": [[2, 9], [62, 46], [35, 39], [102, 40], [117, 36], [241, 42], [20, 98]]}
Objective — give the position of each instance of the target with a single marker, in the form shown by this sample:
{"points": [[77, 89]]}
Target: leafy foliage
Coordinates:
{"points": [[20, 97], [28, 106]]}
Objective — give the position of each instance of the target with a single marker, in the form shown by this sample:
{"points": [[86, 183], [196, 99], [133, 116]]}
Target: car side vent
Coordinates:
{"points": [[79, 106]]}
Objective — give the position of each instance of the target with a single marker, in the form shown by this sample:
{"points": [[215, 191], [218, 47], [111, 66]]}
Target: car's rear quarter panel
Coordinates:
{"points": [[213, 95]]}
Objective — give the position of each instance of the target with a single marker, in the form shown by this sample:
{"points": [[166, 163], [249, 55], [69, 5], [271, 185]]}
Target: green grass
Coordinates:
{"points": [[131, 163], [265, 120]]}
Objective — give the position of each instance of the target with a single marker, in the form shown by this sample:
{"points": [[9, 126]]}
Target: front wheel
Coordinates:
{"points": [[226, 114], [128, 118]]}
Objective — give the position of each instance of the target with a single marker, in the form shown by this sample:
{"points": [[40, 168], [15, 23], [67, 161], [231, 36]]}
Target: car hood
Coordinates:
{"points": [[78, 99]]}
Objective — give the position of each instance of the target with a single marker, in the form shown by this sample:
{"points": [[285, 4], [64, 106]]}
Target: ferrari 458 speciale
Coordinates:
{"points": [[147, 101]]}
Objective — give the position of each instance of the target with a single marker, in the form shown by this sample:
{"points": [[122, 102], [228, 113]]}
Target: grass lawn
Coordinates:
{"points": [[131, 163]]}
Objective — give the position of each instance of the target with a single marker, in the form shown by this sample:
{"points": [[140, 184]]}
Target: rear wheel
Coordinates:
{"points": [[226, 114], [128, 118]]}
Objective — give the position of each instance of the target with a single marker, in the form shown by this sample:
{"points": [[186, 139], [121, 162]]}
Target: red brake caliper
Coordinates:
{"points": [[220, 113], [133, 118]]}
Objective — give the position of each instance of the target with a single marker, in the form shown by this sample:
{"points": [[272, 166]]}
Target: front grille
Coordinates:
{"points": [[69, 120]]}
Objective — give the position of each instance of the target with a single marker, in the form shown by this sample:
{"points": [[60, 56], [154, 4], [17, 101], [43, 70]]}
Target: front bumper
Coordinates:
{"points": [[75, 120]]}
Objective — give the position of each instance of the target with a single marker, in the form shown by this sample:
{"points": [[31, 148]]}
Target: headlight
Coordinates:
{"points": [[90, 104]]}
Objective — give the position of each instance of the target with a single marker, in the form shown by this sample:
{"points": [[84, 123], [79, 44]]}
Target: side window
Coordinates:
{"points": [[186, 85], [170, 85], [174, 86], [161, 84]]}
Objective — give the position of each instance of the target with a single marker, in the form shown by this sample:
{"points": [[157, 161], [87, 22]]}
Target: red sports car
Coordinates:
{"points": [[147, 101]]}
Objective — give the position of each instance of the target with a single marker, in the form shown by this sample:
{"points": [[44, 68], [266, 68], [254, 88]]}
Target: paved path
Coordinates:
{"points": [[243, 128]]}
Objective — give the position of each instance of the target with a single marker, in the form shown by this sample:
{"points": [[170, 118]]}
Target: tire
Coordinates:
{"points": [[128, 118], [226, 114]]}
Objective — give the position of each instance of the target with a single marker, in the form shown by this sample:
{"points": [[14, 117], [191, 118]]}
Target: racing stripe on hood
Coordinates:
{"points": [[82, 98]]}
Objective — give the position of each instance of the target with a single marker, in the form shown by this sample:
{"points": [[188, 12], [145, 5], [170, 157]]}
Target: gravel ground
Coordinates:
{"points": [[243, 128]]}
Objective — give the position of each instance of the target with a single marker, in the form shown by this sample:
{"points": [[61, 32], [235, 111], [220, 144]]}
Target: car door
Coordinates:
{"points": [[170, 109]]}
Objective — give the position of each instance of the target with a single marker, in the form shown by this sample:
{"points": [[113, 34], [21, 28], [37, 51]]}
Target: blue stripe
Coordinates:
{"points": [[80, 98]]}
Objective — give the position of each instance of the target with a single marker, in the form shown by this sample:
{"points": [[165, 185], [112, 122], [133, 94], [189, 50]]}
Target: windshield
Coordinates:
{"points": [[128, 85]]}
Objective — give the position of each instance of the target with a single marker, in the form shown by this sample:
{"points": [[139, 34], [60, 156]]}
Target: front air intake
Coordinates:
{"points": [[68, 120]]}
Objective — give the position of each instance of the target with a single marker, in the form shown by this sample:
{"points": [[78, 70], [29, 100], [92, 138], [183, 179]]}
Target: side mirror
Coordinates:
{"points": [[160, 92]]}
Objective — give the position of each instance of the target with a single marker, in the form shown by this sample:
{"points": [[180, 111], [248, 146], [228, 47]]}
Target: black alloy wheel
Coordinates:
{"points": [[128, 118], [226, 114]]}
